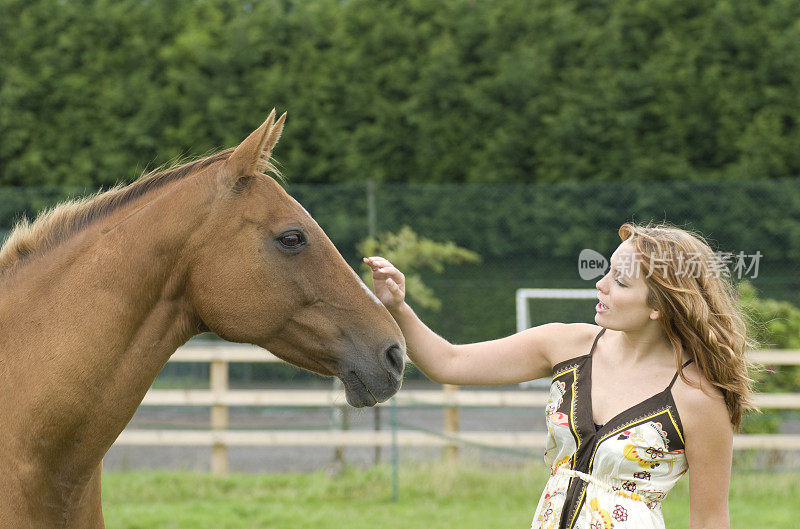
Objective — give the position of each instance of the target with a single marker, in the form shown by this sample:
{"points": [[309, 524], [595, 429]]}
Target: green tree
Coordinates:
{"points": [[411, 254]]}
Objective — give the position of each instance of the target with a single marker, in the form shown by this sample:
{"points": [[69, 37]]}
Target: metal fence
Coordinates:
{"points": [[531, 235]]}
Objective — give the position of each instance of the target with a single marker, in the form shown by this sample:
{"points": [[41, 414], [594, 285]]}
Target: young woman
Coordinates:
{"points": [[656, 388]]}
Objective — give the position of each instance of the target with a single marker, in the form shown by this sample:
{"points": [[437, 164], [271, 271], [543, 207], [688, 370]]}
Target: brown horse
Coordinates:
{"points": [[95, 296]]}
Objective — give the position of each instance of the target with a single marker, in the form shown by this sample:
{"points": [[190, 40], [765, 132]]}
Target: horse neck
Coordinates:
{"points": [[93, 324]]}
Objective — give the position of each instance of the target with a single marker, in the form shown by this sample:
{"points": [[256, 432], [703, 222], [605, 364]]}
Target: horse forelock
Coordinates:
{"points": [[59, 223]]}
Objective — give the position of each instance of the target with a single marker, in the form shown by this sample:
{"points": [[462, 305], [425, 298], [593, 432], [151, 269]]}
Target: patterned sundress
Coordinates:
{"points": [[609, 476]]}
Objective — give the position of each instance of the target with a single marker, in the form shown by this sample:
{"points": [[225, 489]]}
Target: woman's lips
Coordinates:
{"points": [[600, 307]]}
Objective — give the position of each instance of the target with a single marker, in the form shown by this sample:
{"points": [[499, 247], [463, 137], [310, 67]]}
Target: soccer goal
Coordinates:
{"points": [[524, 312]]}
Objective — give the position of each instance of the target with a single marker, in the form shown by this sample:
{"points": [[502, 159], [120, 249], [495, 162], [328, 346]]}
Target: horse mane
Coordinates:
{"points": [[57, 224]]}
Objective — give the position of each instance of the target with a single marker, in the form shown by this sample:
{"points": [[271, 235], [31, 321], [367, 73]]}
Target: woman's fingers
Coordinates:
{"points": [[388, 280], [395, 291], [381, 268], [377, 262], [385, 272]]}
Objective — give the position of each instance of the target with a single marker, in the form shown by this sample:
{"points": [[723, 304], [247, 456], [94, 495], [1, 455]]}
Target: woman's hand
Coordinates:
{"points": [[388, 281]]}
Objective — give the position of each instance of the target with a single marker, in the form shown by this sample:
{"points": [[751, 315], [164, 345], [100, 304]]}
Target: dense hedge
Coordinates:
{"points": [[449, 91]]}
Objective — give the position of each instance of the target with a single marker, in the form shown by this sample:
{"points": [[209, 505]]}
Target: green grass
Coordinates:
{"points": [[431, 497]]}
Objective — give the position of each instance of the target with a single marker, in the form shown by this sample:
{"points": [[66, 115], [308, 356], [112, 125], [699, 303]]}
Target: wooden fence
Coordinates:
{"points": [[219, 398]]}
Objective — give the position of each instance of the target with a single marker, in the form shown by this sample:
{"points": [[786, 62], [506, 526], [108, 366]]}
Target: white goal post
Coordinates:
{"points": [[524, 315], [524, 294]]}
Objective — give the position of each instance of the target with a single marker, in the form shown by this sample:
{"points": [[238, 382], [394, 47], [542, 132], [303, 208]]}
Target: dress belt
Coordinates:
{"points": [[588, 478]]}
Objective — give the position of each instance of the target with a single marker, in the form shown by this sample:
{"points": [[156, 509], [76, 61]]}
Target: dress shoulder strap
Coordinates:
{"points": [[677, 373], [595, 340]]}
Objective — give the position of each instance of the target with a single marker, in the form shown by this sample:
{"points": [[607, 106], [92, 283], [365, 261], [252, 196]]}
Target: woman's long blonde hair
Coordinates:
{"points": [[690, 288]]}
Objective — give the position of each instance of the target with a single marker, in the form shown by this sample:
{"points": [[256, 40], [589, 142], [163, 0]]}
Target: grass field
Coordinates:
{"points": [[431, 497]]}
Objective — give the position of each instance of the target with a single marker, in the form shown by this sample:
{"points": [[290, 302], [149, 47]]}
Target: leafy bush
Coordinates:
{"points": [[774, 324]]}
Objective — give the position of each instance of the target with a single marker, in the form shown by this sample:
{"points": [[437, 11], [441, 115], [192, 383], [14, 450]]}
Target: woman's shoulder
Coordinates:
{"points": [[576, 340], [696, 390], [699, 402]]}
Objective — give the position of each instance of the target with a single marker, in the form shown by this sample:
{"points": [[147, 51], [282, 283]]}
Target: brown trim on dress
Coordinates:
{"points": [[588, 439]]}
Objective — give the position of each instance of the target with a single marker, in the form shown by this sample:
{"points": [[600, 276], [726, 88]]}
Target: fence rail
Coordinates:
{"points": [[461, 399], [517, 440], [230, 352], [219, 398]]}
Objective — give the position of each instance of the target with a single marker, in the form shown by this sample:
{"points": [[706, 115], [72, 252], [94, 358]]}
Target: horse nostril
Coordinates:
{"points": [[393, 360]]}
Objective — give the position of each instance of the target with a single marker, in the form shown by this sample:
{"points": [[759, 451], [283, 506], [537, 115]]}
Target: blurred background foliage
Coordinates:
{"points": [[773, 324], [412, 91]]}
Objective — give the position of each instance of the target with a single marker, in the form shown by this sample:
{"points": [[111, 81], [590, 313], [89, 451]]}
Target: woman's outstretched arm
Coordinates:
{"points": [[527, 355]]}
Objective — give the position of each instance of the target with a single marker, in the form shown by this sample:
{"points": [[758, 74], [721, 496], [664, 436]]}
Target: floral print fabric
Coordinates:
{"points": [[614, 477]]}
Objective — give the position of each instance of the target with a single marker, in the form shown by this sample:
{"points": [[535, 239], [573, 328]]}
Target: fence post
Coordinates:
{"points": [[219, 416], [340, 420], [450, 423]]}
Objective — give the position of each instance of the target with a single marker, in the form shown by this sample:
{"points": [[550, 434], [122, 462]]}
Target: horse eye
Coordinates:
{"points": [[292, 240]]}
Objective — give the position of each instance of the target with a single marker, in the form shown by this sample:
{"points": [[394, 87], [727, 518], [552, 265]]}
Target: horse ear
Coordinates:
{"points": [[252, 155]]}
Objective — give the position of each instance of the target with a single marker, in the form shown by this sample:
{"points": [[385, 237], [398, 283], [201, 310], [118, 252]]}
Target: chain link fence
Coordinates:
{"points": [[530, 236]]}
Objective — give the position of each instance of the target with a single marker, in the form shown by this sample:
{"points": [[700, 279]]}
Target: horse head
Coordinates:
{"points": [[262, 271]]}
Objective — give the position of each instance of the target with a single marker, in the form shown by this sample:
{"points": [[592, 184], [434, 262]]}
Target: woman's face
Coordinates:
{"points": [[622, 293]]}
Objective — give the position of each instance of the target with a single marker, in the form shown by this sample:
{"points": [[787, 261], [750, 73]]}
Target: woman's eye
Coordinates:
{"points": [[617, 281], [292, 240]]}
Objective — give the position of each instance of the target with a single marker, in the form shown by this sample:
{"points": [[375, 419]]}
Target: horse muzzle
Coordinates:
{"points": [[367, 384]]}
